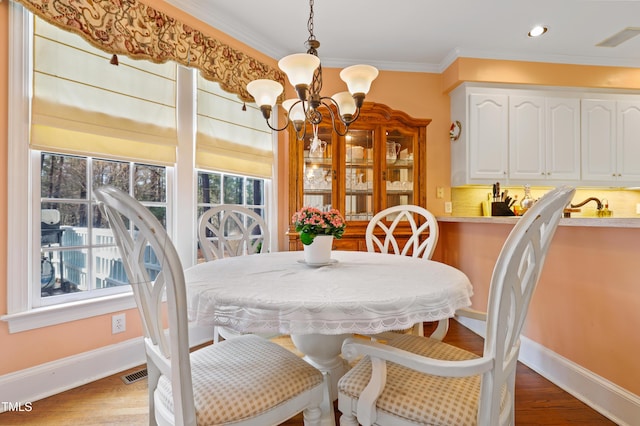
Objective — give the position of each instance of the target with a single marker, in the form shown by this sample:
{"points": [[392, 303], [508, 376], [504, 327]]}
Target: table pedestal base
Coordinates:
{"points": [[323, 352]]}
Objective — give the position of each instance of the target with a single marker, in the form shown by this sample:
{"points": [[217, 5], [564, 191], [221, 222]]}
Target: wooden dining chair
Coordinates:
{"points": [[414, 380], [387, 233], [243, 381], [231, 230]]}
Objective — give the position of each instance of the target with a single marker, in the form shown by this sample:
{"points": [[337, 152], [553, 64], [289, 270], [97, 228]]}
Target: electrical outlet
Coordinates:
{"points": [[118, 323], [447, 207], [638, 208]]}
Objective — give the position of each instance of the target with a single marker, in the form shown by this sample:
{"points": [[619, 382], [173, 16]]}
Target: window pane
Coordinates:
{"points": [[63, 176], [255, 191], [110, 270], [150, 183], [208, 188], [233, 189], [160, 213], [114, 173], [63, 224], [63, 272]]}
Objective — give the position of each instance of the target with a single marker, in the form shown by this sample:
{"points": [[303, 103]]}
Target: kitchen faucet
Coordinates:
{"points": [[599, 203]]}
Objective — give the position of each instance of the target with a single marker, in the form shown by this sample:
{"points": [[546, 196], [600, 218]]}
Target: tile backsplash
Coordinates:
{"points": [[467, 201]]}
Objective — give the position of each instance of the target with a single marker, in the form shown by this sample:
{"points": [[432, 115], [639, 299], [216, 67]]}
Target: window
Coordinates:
{"points": [[78, 257], [71, 131], [220, 188]]}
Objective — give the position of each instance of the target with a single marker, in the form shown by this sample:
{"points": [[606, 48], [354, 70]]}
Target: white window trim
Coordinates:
{"points": [[18, 229]]}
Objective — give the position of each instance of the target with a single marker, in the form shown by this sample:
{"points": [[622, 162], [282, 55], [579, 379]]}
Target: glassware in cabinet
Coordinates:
{"points": [[317, 171], [400, 171], [359, 174]]}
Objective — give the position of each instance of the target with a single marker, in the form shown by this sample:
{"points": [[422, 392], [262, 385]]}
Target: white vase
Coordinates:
{"points": [[319, 251]]}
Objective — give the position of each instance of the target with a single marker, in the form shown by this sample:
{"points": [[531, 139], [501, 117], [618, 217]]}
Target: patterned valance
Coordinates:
{"points": [[134, 29]]}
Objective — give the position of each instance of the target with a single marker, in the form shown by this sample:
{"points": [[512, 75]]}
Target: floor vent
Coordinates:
{"points": [[135, 376]]}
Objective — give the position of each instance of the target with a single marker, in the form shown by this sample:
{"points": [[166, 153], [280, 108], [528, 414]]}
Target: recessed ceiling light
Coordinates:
{"points": [[537, 31]]}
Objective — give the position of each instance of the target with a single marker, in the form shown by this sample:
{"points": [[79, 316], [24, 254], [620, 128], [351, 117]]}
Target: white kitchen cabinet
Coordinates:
{"points": [[545, 136], [628, 143], [480, 155], [562, 139], [489, 137], [544, 139], [527, 137], [598, 134], [611, 142]]}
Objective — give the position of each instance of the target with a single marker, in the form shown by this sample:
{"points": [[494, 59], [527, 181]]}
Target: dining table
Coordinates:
{"points": [[319, 306]]}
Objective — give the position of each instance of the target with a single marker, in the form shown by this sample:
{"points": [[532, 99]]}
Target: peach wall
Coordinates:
{"points": [[539, 73], [586, 305]]}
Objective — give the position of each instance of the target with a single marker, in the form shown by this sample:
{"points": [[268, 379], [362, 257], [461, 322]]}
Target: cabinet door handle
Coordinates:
{"points": [[384, 175]]}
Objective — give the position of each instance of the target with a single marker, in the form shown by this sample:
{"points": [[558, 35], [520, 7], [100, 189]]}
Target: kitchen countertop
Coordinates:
{"points": [[605, 222]]}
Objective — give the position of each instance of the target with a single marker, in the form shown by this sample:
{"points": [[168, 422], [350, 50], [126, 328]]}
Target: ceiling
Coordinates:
{"points": [[427, 35]]}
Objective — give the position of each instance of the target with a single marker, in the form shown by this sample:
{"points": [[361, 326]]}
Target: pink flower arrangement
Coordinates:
{"points": [[311, 221]]}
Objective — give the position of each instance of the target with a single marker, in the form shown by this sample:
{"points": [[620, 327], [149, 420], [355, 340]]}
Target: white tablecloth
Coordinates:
{"points": [[365, 293]]}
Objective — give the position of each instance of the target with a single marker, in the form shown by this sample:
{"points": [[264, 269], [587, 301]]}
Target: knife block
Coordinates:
{"points": [[500, 208]]}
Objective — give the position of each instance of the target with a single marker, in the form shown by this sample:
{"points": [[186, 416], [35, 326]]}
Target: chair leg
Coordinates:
{"points": [[312, 416], [418, 329], [441, 330], [348, 420]]}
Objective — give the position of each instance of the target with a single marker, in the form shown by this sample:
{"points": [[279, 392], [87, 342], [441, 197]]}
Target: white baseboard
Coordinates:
{"points": [[48, 379], [609, 399]]}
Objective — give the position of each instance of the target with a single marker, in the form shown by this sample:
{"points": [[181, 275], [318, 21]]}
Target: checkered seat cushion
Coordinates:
{"points": [[417, 397], [225, 392]]}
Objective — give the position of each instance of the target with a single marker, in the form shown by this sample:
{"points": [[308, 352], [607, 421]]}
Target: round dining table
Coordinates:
{"points": [[320, 305]]}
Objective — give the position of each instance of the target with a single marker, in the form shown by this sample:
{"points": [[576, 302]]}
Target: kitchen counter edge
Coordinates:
{"points": [[609, 222]]}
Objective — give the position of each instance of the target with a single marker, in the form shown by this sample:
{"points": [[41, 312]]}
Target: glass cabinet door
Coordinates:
{"points": [[359, 166], [318, 171], [399, 176]]}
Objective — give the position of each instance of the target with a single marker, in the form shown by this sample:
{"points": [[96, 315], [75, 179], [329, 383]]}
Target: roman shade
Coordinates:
{"points": [[231, 136], [139, 31], [84, 105]]}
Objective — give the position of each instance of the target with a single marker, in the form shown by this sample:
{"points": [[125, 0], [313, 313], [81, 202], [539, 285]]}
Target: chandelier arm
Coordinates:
{"points": [[333, 116], [275, 129], [303, 131]]}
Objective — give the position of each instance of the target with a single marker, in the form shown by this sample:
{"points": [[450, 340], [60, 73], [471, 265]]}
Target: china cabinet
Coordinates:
{"points": [[380, 162]]}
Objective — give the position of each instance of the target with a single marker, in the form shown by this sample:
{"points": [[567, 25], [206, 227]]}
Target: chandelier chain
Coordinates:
{"points": [[312, 49], [310, 27]]}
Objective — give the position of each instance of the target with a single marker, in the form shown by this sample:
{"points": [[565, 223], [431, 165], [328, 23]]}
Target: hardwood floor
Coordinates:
{"points": [[110, 402]]}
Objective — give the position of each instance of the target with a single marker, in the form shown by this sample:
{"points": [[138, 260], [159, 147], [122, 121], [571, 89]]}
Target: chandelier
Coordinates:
{"points": [[305, 73]]}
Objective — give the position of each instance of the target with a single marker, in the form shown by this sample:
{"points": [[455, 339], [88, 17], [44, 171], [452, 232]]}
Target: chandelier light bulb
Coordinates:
{"points": [[359, 78], [346, 103], [264, 91], [299, 68], [297, 112]]}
